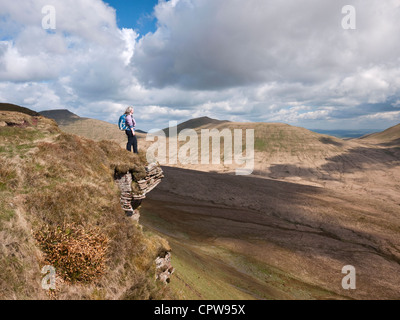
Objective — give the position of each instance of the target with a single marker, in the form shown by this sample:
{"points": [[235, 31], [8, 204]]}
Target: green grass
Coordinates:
{"points": [[3, 186], [6, 212], [19, 149], [260, 144], [196, 278], [20, 134], [214, 273]]}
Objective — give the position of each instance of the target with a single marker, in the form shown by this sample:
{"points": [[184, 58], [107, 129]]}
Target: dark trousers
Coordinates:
{"points": [[132, 141]]}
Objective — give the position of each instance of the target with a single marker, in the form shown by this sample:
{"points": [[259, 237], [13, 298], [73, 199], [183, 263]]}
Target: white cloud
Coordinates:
{"points": [[37, 95], [211, 45], [129, 37], [84, 60], [323, 114], [285, 60], [18, 67], [383, 116]]}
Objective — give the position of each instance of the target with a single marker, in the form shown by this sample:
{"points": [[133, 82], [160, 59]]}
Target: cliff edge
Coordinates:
{"points": [[63, 232]]}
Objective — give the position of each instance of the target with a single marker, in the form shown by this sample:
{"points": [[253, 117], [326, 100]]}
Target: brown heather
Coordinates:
{"points": [[77, 254]]}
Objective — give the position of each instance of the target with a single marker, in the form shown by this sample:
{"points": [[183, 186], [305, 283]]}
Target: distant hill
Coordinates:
{"points": [[388, 136], [282, 151], [296, 154], [280, 139], [16, 108], [62, 116], [65, 117], [94, 129], [197, 123]]}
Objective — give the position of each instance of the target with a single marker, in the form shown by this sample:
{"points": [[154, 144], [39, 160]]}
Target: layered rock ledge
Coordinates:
{"points": [[132, 194]]}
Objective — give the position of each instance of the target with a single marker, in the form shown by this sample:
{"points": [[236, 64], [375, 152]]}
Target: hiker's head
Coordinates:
{"points": [[129, 110]]}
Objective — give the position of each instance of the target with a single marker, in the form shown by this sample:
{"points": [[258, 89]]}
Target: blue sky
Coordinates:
{"points": [[288, 61], [135, 14]]}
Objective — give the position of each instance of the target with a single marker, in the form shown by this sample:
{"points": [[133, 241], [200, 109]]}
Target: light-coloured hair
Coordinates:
{"points": [[128, 110]]}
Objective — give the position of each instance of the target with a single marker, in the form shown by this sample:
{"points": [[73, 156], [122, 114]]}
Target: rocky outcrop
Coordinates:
{"points": [[164, 267], [133, 192], [13, 119], [152, 179]]}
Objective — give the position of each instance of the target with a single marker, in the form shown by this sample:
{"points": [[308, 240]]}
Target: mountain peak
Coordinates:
{"points": [[60, 115], [196, 123]]}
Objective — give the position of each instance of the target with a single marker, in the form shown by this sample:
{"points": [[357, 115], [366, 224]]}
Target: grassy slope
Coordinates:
{"points": [[206, 271], [280, 151], [98, 130], [214, 272], [50, 180], [197, 275], [390, 135]]}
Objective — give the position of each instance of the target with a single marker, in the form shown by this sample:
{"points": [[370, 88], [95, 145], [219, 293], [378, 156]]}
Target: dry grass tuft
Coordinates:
{"points": [[8, 175], [122, 161]]}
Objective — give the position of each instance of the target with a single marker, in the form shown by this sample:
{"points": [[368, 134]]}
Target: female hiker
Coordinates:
{"points": [[130, 131]]}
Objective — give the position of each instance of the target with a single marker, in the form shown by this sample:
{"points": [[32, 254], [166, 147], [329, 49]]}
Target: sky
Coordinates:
{"points": [[309, 63], [136, 15]]}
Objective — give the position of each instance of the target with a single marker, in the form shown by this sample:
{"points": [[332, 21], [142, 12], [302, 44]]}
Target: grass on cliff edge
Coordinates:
{"points": [[59, 205]]}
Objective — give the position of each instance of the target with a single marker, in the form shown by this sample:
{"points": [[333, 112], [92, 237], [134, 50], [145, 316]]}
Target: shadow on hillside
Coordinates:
{"points": [[202, 207], [392, 143], [327, 140], [284, 206], [68, 121], [354, 160]]}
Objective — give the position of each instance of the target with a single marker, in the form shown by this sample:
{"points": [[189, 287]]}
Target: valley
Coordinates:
{"points": [[266, 239]]}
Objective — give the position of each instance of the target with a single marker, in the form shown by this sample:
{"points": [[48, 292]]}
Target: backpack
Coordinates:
{"points": [[121, 123]]}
